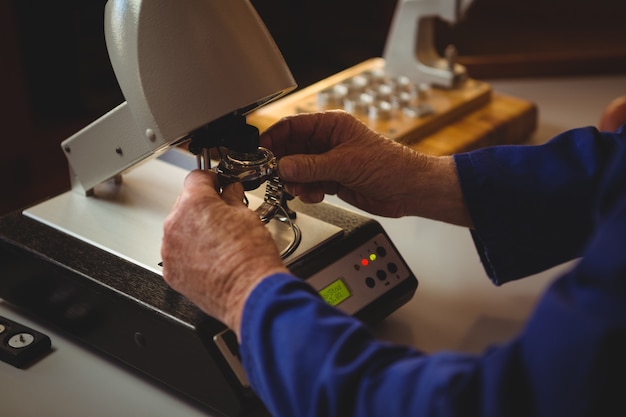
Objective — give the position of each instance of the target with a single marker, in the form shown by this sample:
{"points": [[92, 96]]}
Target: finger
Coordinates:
{"points": [[308, 193], [176, 203], [201, 183], [312, 196], [198, 185], [305, 132], [289, 135], [614, 115], [232, 194], [312, 168], [201, 179]]}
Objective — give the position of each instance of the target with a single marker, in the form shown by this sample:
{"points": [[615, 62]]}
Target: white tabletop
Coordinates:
{"points": [[455, 308]]}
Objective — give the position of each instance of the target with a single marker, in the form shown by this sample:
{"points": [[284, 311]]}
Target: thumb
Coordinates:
{"points": [[232, 194], [307, 168]]}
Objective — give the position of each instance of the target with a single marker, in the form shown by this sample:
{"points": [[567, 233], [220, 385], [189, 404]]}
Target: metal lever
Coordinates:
{"points": [[410, 48]]}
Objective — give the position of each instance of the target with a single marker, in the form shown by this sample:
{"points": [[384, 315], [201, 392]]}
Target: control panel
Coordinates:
{"points": [[20, 345], [351, 283], [362, 276]]}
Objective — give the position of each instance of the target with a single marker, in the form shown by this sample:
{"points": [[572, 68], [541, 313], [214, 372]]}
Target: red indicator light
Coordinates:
{"points": [[364, 262]]}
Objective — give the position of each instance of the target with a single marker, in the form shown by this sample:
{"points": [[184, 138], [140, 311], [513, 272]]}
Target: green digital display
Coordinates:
{"points": [[336, 292]]}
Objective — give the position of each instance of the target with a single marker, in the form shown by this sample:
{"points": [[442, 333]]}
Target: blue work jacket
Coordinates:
{"points": [[533, 207]]}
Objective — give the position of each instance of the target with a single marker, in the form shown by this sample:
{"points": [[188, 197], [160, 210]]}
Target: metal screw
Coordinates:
{"points": [[150, 135]]}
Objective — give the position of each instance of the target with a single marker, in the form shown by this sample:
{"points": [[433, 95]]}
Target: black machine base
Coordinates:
{"points": [[130, 314]]}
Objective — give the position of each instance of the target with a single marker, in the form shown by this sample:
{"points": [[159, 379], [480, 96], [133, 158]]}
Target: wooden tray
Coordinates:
{"points": [[462, 119]]}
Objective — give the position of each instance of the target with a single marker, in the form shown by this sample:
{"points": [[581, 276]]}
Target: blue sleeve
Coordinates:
{"points": [[532, 205], [305, 358]]}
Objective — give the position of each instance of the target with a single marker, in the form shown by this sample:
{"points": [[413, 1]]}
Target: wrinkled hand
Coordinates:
{"points": [[335, 153], [614, 115], [215, 250]]}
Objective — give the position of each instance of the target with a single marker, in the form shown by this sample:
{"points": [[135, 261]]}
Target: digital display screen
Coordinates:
{"points": [[336, 292]]}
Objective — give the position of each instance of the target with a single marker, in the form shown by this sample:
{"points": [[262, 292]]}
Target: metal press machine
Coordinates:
{"points": [[87, 261]]}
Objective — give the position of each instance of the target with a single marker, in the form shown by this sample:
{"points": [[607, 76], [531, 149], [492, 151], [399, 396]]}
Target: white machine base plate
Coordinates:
{"points": [[127, 219]]}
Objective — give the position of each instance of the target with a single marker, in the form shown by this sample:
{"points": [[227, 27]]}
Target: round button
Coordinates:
{"points": [[369, 281], [2, 328], [381, 251], [21, 340], [391, 267], [382, 275]]}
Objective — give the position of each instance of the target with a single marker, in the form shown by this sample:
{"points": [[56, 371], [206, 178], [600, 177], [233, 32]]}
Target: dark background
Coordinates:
{"points": [[56, 78]]}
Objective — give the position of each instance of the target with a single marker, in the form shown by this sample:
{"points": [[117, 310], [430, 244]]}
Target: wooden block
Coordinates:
{"points": [[504, 120], [462, 119]]}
